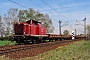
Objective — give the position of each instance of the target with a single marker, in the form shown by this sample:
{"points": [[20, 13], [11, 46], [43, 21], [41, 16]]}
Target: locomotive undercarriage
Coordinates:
{"points": [[29, 39]]}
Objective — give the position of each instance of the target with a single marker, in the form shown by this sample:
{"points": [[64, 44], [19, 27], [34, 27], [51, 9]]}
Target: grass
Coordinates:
{"points": [[4, 43], [75, 51]]}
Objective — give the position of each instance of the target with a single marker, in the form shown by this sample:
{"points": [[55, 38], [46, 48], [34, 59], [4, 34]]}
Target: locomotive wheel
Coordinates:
{"points": [[18, 42], [40, 41], [25, 42], [37, 41], [32, 41]]}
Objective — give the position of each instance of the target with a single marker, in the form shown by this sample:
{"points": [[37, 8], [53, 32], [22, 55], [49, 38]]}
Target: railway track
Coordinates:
{"points": [[18, 51]]}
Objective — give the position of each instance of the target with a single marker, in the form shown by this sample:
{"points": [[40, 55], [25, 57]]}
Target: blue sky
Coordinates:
{"points": [[65, 10]]}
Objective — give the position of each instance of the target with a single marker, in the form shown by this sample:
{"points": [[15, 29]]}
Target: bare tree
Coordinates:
{"points": [[9, 19], [13, 15], [1, 27], [6, 23], [12, 18]]}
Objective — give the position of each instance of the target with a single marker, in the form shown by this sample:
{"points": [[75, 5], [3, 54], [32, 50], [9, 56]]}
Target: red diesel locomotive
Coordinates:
{"points": [[29, 31]]}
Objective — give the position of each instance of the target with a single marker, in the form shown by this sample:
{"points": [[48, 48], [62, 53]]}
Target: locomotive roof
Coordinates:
{"points": [[34, 21]]}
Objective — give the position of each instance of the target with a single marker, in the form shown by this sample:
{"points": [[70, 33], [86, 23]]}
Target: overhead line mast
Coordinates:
{"points": [[84, 26], [60, 26]]}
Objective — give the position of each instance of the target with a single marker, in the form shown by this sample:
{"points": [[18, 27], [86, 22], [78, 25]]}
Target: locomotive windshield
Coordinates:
{"points": [[33, 22]]}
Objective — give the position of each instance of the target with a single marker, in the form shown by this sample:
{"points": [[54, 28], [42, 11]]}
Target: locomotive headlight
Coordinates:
{"points": [[24, 32], [19, 23]]}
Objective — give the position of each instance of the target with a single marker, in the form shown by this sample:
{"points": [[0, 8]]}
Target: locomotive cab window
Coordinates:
{"points": [[33, 22]]}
